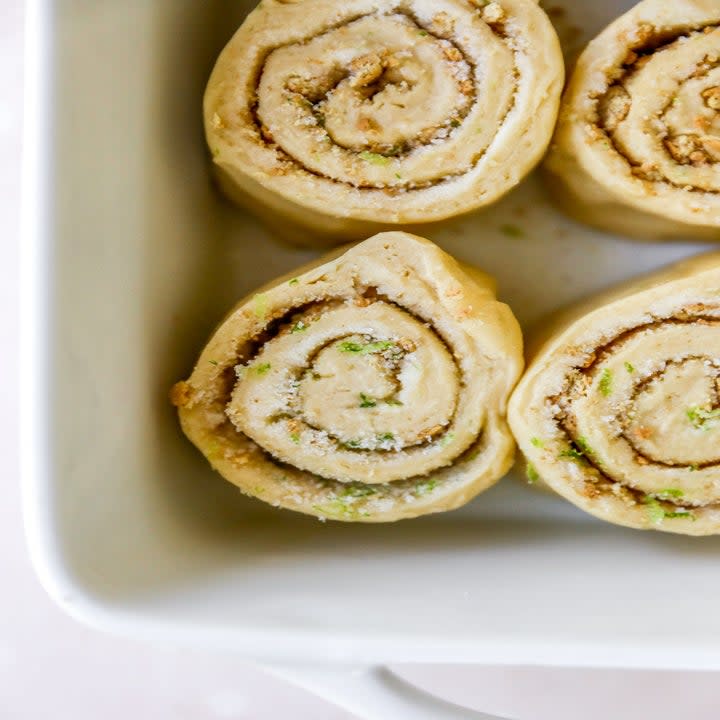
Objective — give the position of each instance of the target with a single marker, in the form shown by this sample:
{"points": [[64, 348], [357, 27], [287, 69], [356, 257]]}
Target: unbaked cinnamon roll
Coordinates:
{"points": [[342, 118], [369, 387], [619, 410], [637, 147]]}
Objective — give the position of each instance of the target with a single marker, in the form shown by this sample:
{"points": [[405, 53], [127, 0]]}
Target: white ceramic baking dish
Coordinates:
{"points": [[130, 258]]}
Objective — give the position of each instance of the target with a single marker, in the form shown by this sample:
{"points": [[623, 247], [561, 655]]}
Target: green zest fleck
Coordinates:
{"points": [[532, 474], [295, 437], [294, 281], [657, 513], [424, 487], [512, 231], [572, 454], [213, 362], [629, 367], [693, 468], [338, 509], [606, 382], [670, 493], [385, 437], [352, 443], [374, 158], [299, 326], [579, 452], [263, 368], [454, 123], [683, 514], [358, 490], [703, 419], [447, 439], [398, 176], [366, 401], [584, 446], [392, 401], [215, 152], [422, 33], [260, 306], [537, 442], [367, 348]]}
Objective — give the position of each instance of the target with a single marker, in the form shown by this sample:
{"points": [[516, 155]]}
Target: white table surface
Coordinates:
{"points": [[51, 667]]}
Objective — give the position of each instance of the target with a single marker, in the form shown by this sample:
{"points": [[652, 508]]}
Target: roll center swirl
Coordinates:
{"points": [[355, 379], [363, 103], [666, 414], [368, 393], [646, 412], [662, 113]]}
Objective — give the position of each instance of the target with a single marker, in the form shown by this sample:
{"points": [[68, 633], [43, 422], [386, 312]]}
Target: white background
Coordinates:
{"points": [[51, 667]]}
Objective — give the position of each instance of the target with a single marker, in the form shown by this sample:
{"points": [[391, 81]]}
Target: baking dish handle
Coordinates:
{"points": [[373, 693]]}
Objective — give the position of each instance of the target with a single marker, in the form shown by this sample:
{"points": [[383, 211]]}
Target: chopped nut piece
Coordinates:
{"points": [[712, 147], [614, 107], [589, 490], [366, 124], [366, 69], [711, 96], [453, 54], [303, 86], [443, 24], [648, 172], [466, 87], [181, 394], [643, 33], [430, 432], [702, 123], [493, 13], [686, 150]]}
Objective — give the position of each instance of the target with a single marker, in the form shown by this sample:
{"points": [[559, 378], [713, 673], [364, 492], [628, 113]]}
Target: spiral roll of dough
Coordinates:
{"points": [[619, 410], [370, 387], [345, 118], [637, 147]]}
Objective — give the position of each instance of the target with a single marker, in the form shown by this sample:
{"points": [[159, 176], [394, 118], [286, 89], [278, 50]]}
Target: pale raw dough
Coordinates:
{"points": [[370, 386], [637, 146], [619, 410], [344, 118]]}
